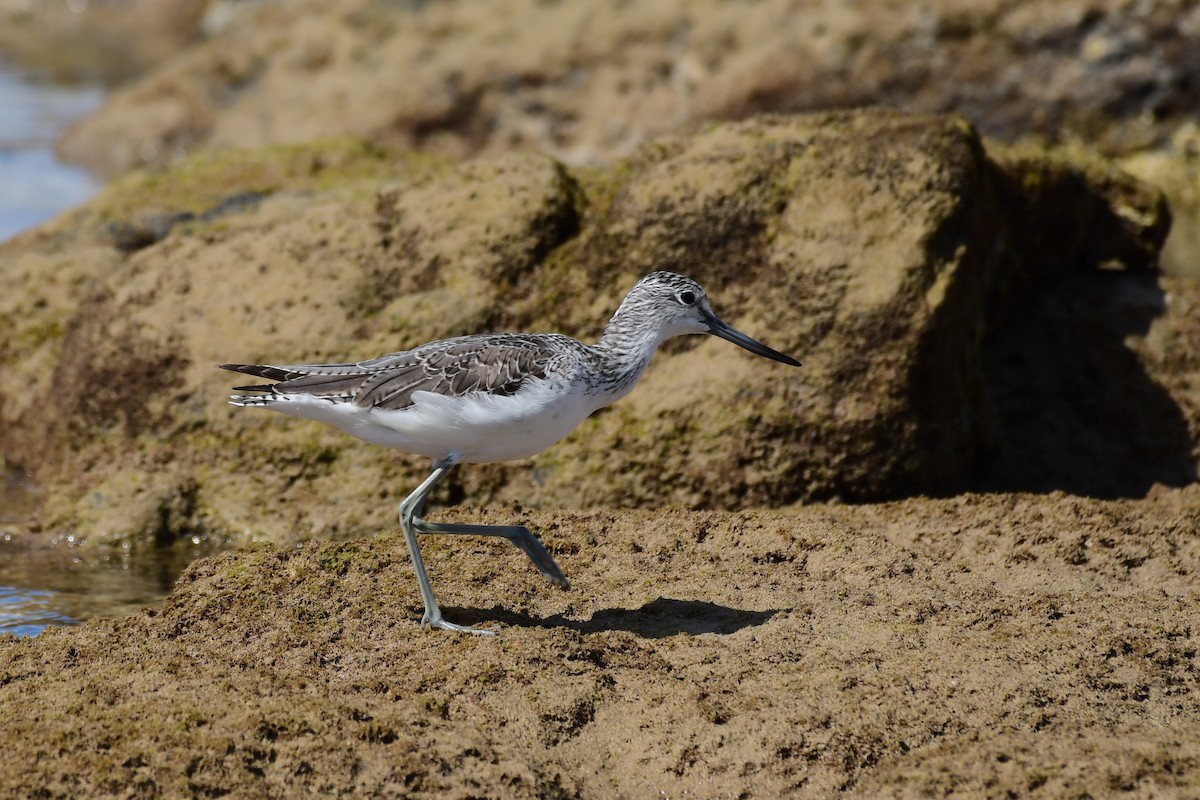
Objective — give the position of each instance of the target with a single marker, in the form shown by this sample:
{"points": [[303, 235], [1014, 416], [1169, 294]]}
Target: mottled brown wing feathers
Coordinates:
{"points": [[497, 364], [455, 369], [393, 388]]}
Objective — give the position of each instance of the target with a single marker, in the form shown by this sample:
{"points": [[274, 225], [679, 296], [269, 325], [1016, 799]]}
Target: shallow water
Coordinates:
{"points": [[34, 184], [27, 612], [56, 579], [64, 583]]}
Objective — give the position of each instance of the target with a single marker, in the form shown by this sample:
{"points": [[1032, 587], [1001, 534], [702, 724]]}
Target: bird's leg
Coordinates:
{"points": [[519, 535], [409, 507]]}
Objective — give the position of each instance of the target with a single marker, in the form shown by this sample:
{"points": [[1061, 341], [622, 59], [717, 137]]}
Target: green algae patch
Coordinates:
{"points": [[201, 181], [340, 558]]}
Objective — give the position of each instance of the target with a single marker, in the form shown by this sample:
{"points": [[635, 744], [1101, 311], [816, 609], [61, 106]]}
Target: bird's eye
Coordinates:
{"points": [[687, 298]]}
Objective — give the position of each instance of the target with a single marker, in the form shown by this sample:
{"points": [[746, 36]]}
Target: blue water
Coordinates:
{"points": [[34, 184], [27, 612]]}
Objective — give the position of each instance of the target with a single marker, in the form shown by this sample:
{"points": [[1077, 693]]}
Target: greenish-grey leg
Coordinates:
{"points": [[409, 507], [519, 535]]}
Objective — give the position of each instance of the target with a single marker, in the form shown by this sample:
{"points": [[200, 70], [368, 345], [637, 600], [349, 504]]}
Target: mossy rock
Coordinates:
{"points": [[883, 250]]}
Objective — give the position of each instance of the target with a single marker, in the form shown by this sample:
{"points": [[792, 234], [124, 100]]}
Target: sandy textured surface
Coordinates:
{"points": [[991, 646]]}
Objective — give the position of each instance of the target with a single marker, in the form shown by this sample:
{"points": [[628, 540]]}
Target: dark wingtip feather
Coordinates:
{"points": [[262, 387], [260, 371], [236, 367]]}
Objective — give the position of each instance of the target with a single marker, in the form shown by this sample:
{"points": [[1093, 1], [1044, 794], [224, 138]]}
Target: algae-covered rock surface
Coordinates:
{"points": [[984, 646], [590, 82], [905, 265]]}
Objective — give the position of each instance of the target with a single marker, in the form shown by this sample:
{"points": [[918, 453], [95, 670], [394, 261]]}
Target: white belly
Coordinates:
{"points": [[479, 428]]}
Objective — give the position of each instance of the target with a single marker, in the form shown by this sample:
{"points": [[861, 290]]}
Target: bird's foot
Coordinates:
{"points": [[533, 548], [436, 621]]}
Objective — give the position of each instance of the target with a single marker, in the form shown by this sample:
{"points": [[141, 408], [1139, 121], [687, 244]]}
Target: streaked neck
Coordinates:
{"points": [[625, 349]]}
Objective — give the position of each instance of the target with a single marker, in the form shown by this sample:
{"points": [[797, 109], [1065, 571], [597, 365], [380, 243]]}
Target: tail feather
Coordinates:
{"points": [[244, 400], [318, 380]]}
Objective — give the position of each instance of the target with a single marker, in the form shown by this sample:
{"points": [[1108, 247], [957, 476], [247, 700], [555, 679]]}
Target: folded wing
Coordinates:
{"points": [[498, 365]]}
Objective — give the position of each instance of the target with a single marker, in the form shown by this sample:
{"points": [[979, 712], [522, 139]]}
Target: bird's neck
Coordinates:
{"points": [[625, 350]]}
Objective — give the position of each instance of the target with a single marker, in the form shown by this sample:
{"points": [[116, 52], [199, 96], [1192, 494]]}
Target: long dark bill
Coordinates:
{"points": [[718, 328]]}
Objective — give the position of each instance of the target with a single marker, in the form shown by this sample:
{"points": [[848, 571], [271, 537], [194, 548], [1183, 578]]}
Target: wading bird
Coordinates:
{"points": [[489, 397]]}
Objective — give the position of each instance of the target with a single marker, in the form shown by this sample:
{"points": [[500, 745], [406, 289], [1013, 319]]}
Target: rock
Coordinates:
{"points": [[885, 251], [589, 82], [772, 654], [100, 40], [137, 507], [1176, 170]]}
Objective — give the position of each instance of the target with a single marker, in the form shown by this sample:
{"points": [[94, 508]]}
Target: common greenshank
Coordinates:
{"points": [[490, 397]]}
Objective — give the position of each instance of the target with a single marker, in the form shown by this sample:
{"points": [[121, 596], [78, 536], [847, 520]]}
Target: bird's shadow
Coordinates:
{"points": [[657, 619]]}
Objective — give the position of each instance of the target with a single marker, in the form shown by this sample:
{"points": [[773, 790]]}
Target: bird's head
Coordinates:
{"points": [[677, 305]]}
